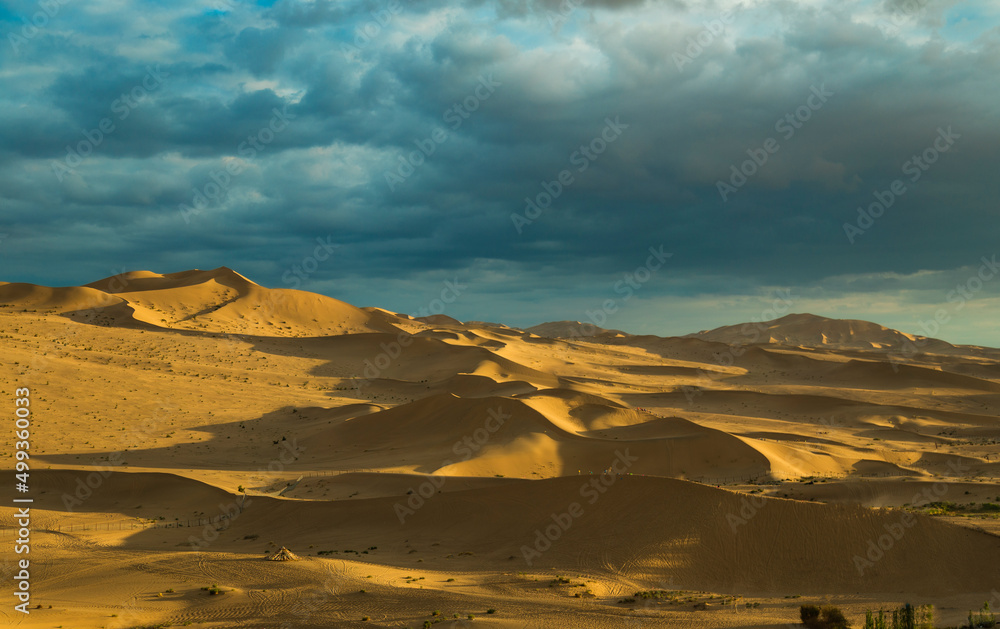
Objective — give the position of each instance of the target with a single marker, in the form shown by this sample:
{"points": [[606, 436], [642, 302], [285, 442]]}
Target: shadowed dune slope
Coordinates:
{"points": [[120, 492], [700, 537], [686, 531], [62, 299]]}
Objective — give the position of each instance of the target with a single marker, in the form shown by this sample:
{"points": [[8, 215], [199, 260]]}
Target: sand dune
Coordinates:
{"points": [[134, 494], [488, 436], [571, 329], [332, 416], [881, 376], [439, 319], [700, 538], [147, 280], [220, 300], [814, 331], [56, 299]]}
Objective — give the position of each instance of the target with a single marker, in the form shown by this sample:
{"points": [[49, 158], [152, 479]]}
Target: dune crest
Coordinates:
{"points": [[220, 300], [809, 330]]}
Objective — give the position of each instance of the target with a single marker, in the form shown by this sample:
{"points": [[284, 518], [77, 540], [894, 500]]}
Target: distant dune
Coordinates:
{"points": [[571, 329], [808, 330]]}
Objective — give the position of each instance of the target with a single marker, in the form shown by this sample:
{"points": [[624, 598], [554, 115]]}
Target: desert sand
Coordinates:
{"points": [[187, 426]]}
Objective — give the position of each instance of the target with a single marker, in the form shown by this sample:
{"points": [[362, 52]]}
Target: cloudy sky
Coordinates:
{"points": [[531, 151]]}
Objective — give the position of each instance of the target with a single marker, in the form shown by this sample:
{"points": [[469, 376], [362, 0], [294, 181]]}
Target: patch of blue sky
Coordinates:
{"points": [[968, 21]]}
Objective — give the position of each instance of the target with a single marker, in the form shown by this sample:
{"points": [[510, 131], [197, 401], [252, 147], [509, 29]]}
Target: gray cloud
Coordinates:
{"points": [[356, 111]]}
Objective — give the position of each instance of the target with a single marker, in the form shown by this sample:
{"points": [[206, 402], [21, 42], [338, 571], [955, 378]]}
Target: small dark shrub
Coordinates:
{"points": [[827, 618]]}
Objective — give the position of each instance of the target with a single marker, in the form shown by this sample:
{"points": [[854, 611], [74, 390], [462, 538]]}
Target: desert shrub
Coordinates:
{"points": [[809, 615], [647, 594], [906, 617], [833, 618], [826, 618], [985, 618]]}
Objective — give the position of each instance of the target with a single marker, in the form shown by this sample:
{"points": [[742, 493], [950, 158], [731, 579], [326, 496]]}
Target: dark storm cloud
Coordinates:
{"points": [[363, 86], [259, 50]]}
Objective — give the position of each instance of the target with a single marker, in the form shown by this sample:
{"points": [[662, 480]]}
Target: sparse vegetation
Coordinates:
{"points": [[906, 617], [826, 618], [984, 618]]}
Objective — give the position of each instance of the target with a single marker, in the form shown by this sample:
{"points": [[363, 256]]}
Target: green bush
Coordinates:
{"points": [[906, 617], [985, 618]]}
